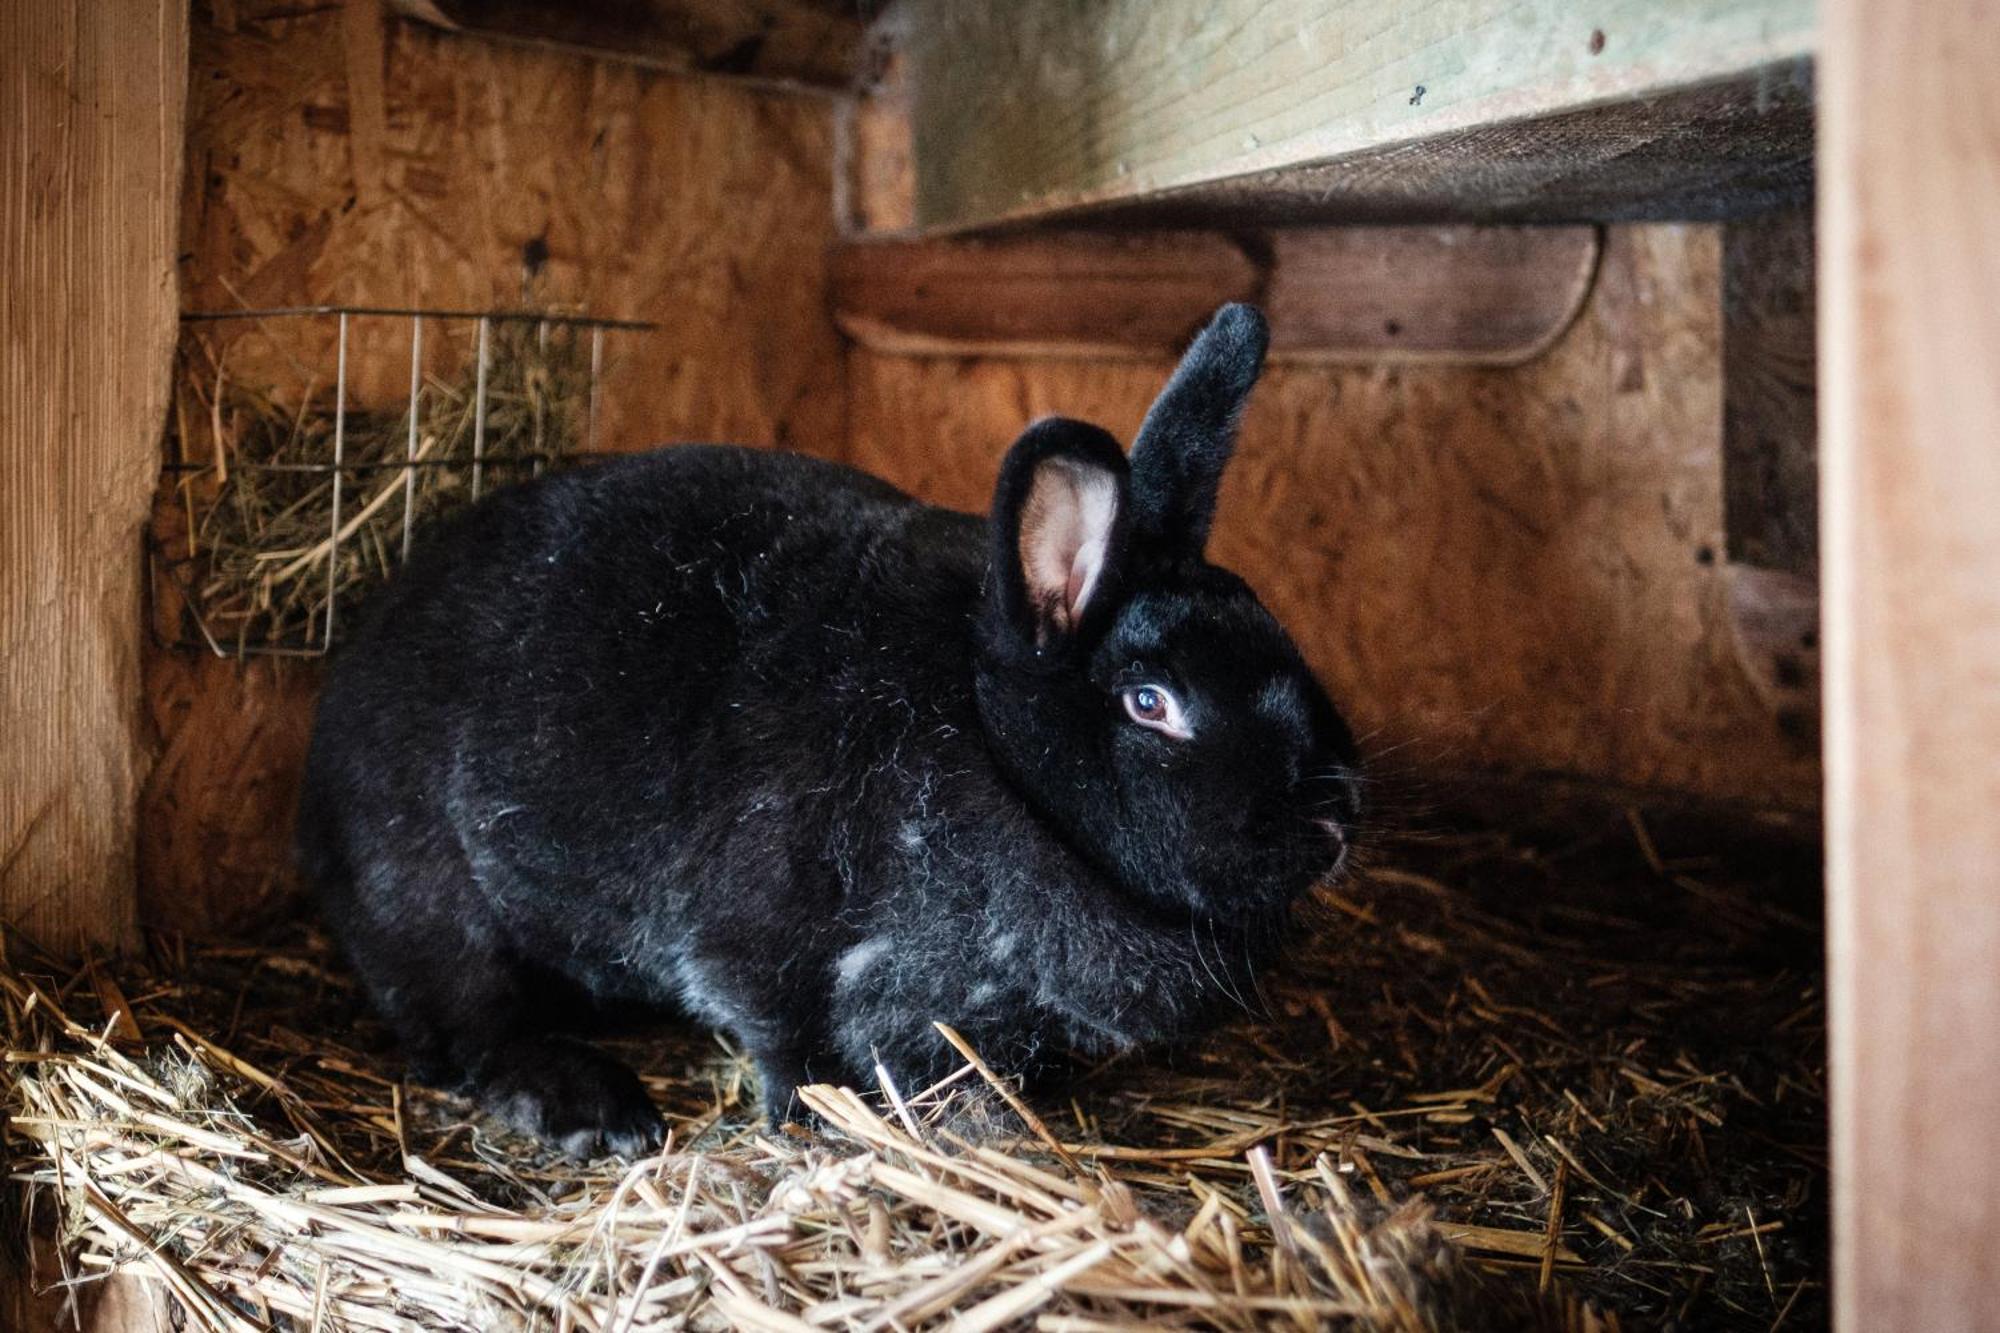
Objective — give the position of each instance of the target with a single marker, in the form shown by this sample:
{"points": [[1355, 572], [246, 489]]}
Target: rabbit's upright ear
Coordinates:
{"points": [[1187, 437], [1058, 528]]}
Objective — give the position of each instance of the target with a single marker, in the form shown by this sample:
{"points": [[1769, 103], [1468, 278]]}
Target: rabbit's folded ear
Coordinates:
{"points": [[1058, 528], [1187, 437]]}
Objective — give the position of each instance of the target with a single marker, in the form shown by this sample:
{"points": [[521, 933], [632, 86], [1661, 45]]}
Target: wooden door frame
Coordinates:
{"points": [[1909, 227]]}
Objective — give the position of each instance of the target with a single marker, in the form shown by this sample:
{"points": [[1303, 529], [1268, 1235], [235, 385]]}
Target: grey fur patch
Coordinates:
{"points": [[860, 958]]}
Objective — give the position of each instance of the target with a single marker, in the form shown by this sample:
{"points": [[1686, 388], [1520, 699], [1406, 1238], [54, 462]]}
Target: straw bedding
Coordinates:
{"points": [[253, 474], [1519, 1078]]}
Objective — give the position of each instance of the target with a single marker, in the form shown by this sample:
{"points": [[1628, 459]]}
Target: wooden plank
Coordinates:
{"points": [[89, 177], [1470, 295], [1708, 153], [1770, 426], [808, 42], [1770, 463], [873, 172], [1466, 295], [1447, 108], [1909, 339], [1080, 294], [36, 1300], [1774, 616]]}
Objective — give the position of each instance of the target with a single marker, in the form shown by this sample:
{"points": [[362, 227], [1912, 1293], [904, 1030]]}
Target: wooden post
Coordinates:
{"points": [[1910, 502], [90, 163]]}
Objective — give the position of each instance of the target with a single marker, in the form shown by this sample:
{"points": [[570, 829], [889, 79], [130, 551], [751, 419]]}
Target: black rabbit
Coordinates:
{"points": [[759, 738]]}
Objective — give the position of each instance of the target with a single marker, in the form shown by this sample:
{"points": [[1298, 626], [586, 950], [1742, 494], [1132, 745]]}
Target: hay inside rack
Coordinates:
{"points": [[294, 502], [1508, 1083]]}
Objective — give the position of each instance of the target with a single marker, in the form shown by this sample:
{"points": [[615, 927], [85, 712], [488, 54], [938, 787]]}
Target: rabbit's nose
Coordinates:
{"points": [[1337, 837]]}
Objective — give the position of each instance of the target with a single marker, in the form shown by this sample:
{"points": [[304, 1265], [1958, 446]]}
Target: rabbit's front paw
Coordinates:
{"points": [[573, 1097]]}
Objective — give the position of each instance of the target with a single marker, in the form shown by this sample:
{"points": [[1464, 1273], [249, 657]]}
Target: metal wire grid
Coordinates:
{"points": [[337, 466]]}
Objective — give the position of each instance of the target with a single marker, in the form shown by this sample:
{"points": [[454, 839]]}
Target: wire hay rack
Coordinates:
{"points": [[289, 491]]}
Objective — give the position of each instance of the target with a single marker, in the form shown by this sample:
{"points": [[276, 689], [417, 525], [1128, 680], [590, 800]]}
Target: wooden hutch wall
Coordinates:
{"points": [[698, 204], [1520, 569]]}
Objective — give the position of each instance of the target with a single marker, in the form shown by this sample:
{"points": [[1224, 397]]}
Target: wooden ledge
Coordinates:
{"points": [[1355, 110], [1461, 295]]}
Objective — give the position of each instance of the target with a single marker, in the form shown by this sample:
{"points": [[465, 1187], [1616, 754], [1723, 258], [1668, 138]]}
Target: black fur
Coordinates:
{"points": [[1185, 441], [758, 737]]}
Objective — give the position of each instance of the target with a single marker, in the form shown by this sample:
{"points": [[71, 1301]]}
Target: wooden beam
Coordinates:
{"points": [[1910, 512], [1468, 109], [90, 170], [1770, 426], [1467, 295], [811, 42]]}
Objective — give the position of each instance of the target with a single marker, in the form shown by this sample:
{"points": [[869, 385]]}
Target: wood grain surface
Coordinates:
{"points": [[90, 164], [1463, 295], [1910, 557], [1484, 108]]}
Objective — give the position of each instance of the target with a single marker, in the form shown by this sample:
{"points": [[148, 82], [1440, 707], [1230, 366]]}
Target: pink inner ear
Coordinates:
{"points": [[1065, 531], [1082, 580]]}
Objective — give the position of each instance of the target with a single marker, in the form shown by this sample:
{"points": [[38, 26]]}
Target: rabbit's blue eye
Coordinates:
{"points": [[1154, 708]]}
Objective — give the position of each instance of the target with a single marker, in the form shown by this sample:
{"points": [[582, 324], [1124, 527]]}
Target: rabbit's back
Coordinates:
{"points": [[764, 738], [597, 688]]}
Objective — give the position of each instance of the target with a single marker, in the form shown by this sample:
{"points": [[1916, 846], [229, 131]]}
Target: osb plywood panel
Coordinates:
{"points": [[216, 812], [497, 175], [89, 170], [1515, 569], [694, 203]]}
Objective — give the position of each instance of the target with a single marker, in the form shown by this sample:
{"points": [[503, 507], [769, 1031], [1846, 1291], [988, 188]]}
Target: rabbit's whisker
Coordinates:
{"points": [[1221, 960], [1195, 940], [1264, 1009]]}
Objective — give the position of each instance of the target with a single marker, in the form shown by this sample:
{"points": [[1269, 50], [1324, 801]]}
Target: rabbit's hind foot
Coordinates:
{"points": [[570, 1095]]}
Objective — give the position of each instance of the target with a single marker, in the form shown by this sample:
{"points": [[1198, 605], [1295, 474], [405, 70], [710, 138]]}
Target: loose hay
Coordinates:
{"points": [[1493, 1092], [253, 474]]}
